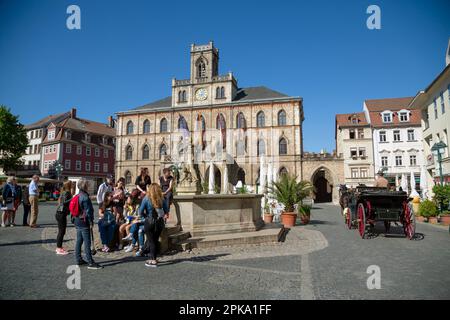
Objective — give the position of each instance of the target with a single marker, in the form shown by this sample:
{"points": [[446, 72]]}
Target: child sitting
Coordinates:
{"points": [[131, 213]]}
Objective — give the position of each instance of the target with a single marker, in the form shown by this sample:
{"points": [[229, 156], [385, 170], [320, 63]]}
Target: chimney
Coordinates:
{"points": [[73, 113], [111, 122]]}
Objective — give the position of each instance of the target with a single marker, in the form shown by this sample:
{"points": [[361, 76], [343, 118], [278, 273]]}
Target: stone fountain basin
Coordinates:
{"points": [[212, 214]]}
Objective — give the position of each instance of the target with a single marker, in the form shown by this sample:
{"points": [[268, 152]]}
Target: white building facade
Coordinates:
{"points": [[354, 145], [397, 139], [434, 104]]}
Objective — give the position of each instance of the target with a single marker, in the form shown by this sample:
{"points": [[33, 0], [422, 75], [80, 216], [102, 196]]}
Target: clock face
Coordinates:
{"points": [[201, 94]]}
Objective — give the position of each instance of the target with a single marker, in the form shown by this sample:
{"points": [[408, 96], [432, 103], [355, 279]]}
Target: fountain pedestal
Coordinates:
{"points": [[204, 215]]}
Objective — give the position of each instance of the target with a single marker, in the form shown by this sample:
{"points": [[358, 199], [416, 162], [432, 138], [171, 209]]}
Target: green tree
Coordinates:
{"points": [[13, 140]]}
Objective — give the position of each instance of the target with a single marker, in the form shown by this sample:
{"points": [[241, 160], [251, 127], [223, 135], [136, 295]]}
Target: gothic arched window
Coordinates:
{"points": [[201, 68], [222, 92], [218, 93], [182, 124], [283, 171], [261, 148], [146, 127], [201, 127], [260, 119], [282, 146], [163, 125], [240, 121], [145, 152], [130, 127], [222, 126], [128, 177], [183, 96], [282, 118], [129, 153], [162, 150]]}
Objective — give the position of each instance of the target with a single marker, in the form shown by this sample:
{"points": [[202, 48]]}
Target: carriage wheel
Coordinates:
{"points": [[409, 221], [361, 220]]}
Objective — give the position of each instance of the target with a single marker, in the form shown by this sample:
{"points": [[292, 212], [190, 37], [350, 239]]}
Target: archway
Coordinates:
{"points": [[217, 178], [323, 185]]}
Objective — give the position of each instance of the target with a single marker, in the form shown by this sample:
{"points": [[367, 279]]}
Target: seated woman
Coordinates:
{"points": [[118, 201], [131, 213], [136, 233], [107, 222]]}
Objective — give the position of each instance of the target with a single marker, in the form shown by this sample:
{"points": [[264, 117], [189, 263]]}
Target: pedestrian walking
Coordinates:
{"points": [[61, 216], [33, 191], [155, 208], [26, 205], [17, 202], [83, 213], [9, 198]]}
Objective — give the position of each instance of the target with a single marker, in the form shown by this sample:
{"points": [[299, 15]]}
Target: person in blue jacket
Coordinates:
{"points": [[83, 223], [154, 208]]}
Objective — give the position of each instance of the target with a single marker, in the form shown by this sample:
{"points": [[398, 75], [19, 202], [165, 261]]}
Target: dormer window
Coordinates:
{"points": [[105, 140], [403, 116], [387, 117], [87, 137], [68, 135], [51, 135], [354, 119]]}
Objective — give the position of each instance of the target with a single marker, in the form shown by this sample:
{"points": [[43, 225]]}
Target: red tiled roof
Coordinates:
{"points": [[414, 119], [44, 122], [82, 125], [344, 120], [392, 104]]}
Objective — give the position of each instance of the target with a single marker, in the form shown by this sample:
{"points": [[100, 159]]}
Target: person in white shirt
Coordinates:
{"points": [[33, 191], [107, 186]]}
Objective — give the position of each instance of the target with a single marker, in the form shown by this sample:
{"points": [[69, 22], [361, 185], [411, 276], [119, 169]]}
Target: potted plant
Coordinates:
{"points": [[428, 210], [445, 218], [305, 213], [288, 192], [268, 216]]}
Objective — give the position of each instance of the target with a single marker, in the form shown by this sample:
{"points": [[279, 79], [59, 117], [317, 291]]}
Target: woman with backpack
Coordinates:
{"points": [[83, 216], [61, 216], [107, 222], [155, 208]]}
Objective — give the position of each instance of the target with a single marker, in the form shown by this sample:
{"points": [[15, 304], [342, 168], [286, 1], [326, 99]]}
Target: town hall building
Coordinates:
{"points": [[227, 125]]}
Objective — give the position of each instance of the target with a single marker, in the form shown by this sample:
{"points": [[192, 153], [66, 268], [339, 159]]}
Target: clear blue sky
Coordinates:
{"points": [[127, 52]]}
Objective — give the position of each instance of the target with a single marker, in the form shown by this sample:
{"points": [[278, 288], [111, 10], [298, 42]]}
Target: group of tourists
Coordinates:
{"points": [[13, 195], [127, 220]]}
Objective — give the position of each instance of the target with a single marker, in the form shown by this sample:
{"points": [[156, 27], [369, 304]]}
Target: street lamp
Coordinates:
{"points": [[59, 170], [438, 150]]}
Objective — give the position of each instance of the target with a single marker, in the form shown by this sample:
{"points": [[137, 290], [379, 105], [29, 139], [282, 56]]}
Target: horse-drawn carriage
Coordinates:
{"points": [[364, 206]]}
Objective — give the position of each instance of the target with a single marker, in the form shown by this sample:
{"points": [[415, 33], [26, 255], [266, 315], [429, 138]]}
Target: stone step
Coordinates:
{"points": [[173, 229], [179, 237], [269, 235]]}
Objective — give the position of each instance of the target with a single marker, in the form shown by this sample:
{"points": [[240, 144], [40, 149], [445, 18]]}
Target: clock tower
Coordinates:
{"points": [[205, 86]]}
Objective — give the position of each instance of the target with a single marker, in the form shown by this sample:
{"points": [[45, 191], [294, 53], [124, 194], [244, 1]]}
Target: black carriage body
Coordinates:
{"points": [[381, 204]]}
